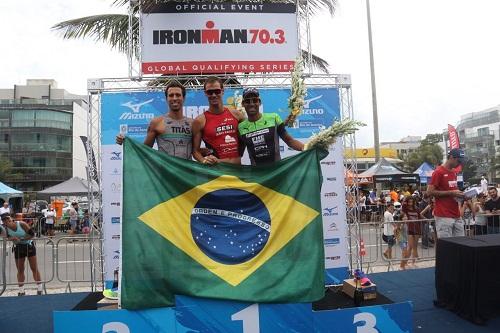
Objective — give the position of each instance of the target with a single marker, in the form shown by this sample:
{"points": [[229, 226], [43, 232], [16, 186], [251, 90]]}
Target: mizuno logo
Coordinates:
{"points": [[136, 107], [308, 101], [116, 156], [330, 210]]}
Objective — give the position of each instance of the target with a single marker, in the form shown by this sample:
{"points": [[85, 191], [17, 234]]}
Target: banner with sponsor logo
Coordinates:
{"points": [[221, 37], [131, 112]]}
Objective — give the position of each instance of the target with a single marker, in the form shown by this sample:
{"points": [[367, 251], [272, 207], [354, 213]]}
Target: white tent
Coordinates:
{"points": [[72, 187]]}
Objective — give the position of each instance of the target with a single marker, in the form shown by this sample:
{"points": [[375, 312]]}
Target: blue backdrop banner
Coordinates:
{"points": [[130, 112]]}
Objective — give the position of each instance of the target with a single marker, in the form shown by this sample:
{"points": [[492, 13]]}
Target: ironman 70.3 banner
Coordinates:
{"points": [[219, 37]]}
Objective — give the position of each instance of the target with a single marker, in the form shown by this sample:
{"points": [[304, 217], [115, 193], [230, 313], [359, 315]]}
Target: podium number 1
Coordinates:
{"points": [[250, 318], [369, 322]]}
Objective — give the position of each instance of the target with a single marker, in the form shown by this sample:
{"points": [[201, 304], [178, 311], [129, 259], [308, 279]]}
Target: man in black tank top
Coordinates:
{"points": [[171, 131]]}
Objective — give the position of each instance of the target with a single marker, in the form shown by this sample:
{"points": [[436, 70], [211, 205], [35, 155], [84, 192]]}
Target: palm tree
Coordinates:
{"points": [[112, 29]]}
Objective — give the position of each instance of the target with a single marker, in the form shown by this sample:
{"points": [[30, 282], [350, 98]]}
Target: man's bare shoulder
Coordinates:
{"points": [[199, 121], [155, 121]]}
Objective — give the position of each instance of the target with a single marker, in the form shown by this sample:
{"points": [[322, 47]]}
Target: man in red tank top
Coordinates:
{"points": [[217, 127]]}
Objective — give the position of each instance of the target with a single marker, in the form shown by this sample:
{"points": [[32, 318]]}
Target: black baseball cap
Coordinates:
{"points": [[250, 92], [457, 153]]}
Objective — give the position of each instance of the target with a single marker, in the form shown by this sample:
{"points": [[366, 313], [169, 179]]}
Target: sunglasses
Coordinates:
{"points": [[213, 92], [253, 100]]}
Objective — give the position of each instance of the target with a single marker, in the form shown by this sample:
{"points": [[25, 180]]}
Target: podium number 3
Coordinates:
{"points": [[250, 318], [369, 322], [116, 327]]}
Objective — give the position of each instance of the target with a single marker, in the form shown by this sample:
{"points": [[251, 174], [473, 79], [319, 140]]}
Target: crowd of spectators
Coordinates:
{"points": [[408, 218]]}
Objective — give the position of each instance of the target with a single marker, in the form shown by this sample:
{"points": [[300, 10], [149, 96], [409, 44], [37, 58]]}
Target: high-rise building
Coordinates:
{"points": [[42, 130], [479, 134], [403, 147]]}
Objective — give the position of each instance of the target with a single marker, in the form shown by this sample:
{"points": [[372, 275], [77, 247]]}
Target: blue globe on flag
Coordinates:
{"points": [[230, 226]]}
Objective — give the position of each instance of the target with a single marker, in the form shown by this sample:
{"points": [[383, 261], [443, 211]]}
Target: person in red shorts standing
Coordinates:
{"points": [[217, 127], [443, 187]]}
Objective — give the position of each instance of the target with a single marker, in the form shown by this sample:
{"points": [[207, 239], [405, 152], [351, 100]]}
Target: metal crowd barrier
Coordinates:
{"points": [[73, 263], [370, 238], [45, 262], [371, 213], [62, 262], [66, 261], [414, 241]]}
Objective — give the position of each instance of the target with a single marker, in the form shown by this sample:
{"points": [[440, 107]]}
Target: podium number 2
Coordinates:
{"points": [[250, 318], [369, 322]]}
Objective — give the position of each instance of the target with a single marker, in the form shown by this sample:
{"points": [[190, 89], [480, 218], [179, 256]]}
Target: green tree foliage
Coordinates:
{"points": [[432, 154], [112, 29], [432, 139], [428, 151], [6, 171], [469, 170]]}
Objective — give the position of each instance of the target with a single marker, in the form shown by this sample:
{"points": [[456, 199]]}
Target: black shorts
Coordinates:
{"points": [[24, 250], [49, 226], [390, 240]]}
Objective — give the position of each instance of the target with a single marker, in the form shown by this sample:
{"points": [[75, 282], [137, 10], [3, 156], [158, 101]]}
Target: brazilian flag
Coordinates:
{"points": [[228, 232]]}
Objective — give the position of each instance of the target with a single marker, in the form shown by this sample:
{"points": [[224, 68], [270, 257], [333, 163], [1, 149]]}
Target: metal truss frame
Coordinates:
{"points": [[352, 198], [95, 194]]}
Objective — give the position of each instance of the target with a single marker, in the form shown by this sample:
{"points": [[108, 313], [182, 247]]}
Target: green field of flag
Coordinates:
{"points": [[227, 232]]}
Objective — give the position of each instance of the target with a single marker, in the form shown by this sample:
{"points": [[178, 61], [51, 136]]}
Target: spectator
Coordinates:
{"points": [[412, 213], [492, 207], [479, 209], [21, 234], [394, 195], [73, 217], [5, 209], [406, 191], [401, 235], [362, 203], [381, 204], [389, 227], [86, 222], [467, 212], [484, 185], [50, 215], [426, 207]]}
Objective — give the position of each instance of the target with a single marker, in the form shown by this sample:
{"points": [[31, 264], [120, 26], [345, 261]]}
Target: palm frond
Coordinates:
{"points": [[111, 29], [317, 6], [316, 62]]}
